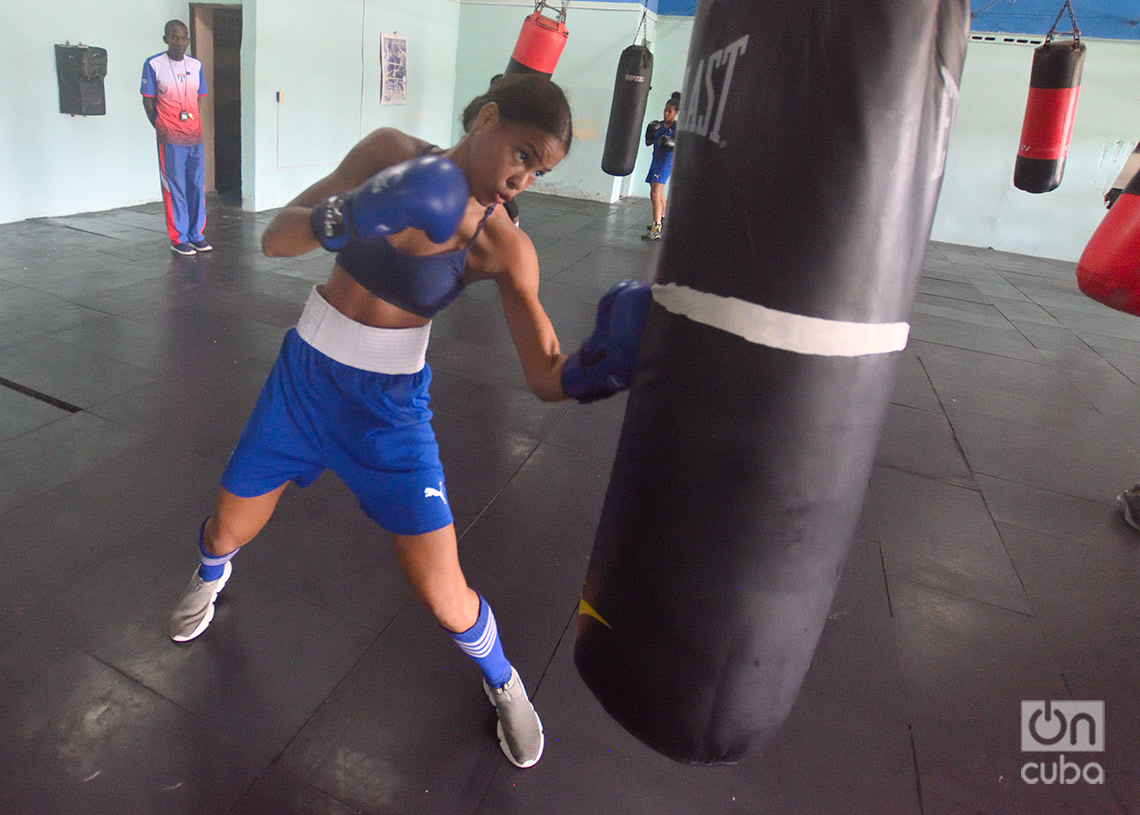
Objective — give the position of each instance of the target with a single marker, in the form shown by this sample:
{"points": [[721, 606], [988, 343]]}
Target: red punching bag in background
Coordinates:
{"points": [[1054, 84], [1109, 268], [540, 42]]}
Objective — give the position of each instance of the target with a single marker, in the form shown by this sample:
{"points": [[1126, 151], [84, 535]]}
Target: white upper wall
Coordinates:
{"points": [[586, 70], [979, 205], [670, 52], [55, 164], [324, 58]]}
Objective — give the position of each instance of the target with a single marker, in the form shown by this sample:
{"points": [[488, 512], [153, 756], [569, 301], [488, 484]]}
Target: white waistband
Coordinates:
{"points": [[381, 350]]}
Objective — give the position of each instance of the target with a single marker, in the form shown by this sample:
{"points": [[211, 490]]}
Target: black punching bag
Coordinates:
{"points": [[1047, 129], [810, 151], [631, 90]]}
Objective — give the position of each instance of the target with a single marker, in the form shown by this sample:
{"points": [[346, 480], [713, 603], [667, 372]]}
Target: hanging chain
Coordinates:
{"points": [[1076, 32], [642, 28], [539, 5]]}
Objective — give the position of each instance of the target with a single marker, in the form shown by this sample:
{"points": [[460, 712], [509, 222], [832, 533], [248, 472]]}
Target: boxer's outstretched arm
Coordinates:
{"points": [[530, 328]]}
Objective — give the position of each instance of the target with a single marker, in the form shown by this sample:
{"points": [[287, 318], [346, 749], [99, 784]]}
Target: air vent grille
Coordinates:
{"points": [[1008, 39]]}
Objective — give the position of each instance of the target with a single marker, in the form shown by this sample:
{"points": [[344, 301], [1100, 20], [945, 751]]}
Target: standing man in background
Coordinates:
{"points": [[171, 85]]}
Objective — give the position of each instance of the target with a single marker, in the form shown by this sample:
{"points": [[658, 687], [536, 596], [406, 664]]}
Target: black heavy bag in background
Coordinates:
{"points": [[1047, 129], [540, 43], [809, 157], [631, 90]]}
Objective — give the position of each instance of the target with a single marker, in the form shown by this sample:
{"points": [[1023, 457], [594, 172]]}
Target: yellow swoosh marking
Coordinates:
{"points": [[588, 610]]}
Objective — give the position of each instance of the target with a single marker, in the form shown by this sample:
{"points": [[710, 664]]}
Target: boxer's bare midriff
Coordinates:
{"points": [[357, 303]]}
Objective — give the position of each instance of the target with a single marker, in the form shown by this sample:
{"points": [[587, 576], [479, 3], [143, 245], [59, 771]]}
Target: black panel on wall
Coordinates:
{"points": [[80, 70]]}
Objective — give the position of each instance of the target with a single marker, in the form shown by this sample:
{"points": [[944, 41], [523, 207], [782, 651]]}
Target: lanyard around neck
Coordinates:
{"points": [[177, 81]]}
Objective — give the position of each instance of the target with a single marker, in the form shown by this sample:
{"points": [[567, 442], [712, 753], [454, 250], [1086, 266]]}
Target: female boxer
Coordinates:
{"points": [[661, 135], [412, 225]]}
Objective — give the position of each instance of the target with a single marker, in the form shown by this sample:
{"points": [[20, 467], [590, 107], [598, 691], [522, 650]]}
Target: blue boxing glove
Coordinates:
{"points": [[428, 193], [606, 361]]}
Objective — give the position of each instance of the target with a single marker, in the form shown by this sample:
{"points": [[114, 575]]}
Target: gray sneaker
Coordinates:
{"points": [[195, 609], [1129, 501], [520, 729]]}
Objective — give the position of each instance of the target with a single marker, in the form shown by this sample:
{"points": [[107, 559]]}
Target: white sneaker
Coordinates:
{"points": [[520, 729], [195, 608]]}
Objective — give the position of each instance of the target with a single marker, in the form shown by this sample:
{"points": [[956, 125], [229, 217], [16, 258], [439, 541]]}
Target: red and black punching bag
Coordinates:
{"points": [[1054, 84], [540, 43], [627, 110], [1109, 268], [768, 360]]}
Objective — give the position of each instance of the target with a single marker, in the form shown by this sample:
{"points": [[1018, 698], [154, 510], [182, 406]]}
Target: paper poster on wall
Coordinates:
{"points": [[393, 69]]}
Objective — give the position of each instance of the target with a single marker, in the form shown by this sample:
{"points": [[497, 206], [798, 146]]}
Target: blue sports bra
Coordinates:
{"points": [[421, 284]]}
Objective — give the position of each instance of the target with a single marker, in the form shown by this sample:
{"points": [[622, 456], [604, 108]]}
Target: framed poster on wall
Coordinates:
{"points": [[393, 69]]}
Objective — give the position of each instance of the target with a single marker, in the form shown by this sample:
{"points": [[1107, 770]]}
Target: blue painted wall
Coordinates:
{"points": [[1105, 19]]}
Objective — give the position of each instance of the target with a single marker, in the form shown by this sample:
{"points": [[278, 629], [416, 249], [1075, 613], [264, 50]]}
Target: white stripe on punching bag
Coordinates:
{"points": [[781, 329]]}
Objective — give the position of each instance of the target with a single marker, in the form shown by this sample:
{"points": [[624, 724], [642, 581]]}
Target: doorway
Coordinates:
{"points": [[215, 37]]}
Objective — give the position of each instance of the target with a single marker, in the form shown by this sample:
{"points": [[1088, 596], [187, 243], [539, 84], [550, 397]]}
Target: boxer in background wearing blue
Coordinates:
{"points": [[662, 136], [412, 225], [171, 85]]}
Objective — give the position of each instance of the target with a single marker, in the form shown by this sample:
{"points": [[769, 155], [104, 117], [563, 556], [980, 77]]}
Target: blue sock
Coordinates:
{"points": [[213, 566], [481, 643]]}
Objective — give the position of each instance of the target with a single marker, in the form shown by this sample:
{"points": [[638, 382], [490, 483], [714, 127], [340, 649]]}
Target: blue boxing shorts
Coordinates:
{"points": [[372, 429], [661, 167], [659, 174]]}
